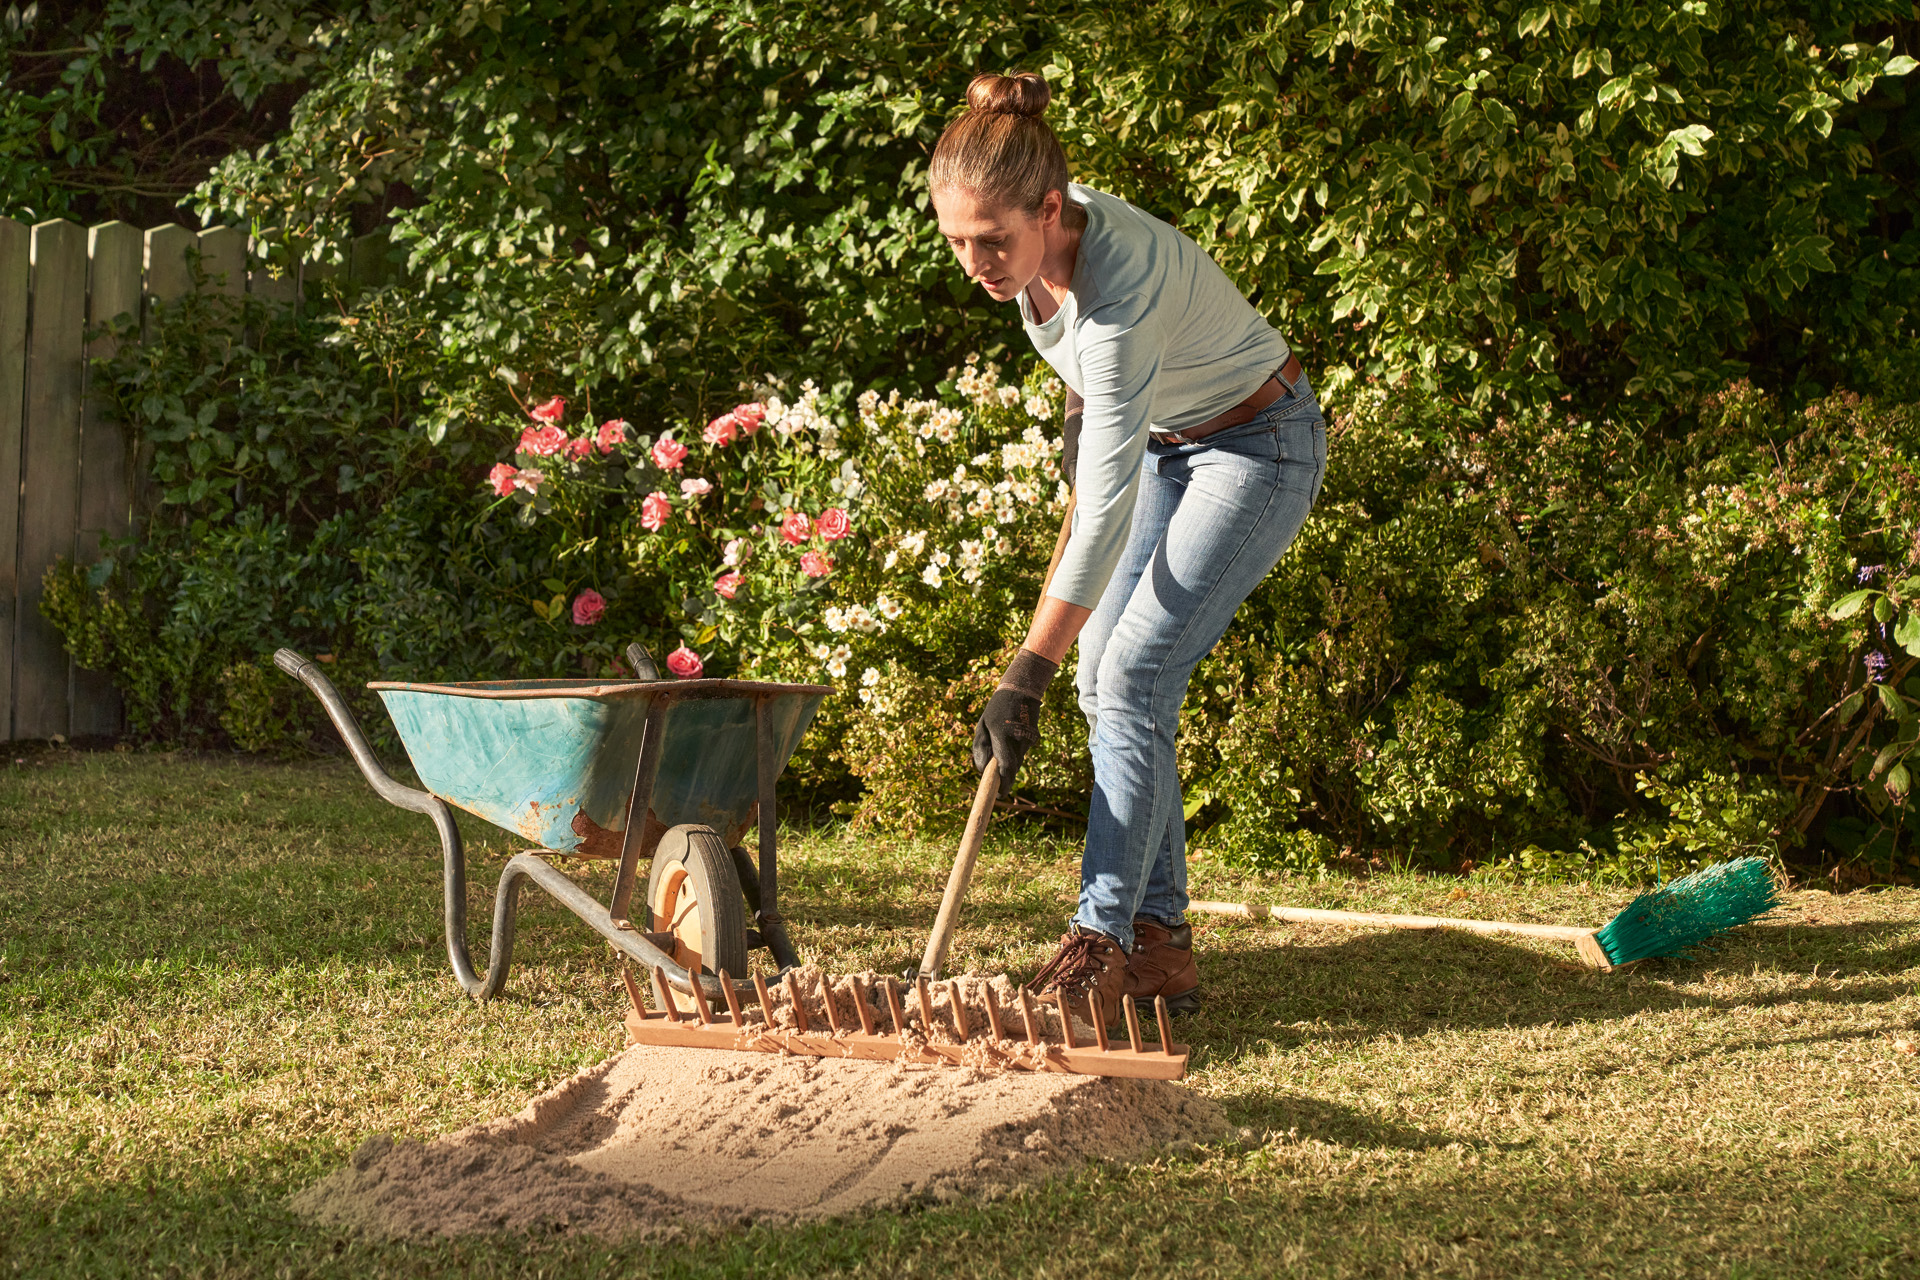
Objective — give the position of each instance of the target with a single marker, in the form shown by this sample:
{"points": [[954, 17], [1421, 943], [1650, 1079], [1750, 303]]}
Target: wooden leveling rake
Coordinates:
{"points": [[883, 1028]]}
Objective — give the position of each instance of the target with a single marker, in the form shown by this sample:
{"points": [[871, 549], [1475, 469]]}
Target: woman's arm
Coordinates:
{"points": [[1056, 624]]}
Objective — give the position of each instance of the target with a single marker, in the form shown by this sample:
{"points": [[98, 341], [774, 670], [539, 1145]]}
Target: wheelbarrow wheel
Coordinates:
{"points": [[694, 894]]}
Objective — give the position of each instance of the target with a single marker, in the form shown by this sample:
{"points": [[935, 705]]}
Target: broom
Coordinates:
{"points": [[1676, 917]]}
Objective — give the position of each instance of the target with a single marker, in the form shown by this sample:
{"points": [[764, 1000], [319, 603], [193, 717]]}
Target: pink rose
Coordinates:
{"points": [[611, 433], [723, 430], [654, 510], [668, 453], [833, 524], [588, 608], [796, 528], [529, 479], [815, 565], [501, 478], [685, 663], [749, 417], [578, 449], [543, 442], [694, 488], [549, 412], [727, 584]]}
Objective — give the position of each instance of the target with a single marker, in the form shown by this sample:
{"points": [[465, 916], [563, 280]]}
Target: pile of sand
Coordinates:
{"points": [[655, 1139]]}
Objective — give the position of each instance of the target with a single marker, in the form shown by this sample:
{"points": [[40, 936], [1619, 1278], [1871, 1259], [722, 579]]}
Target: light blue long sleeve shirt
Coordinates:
{"points": [[1154, 336]]}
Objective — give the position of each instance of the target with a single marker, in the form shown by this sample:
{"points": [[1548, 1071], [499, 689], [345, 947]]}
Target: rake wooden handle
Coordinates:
{"points": [[1582, 939], [983, 797]]}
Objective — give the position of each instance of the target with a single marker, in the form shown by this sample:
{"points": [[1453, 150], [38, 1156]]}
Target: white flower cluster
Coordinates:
{"points": [[803, 424], [1029, 469], [926, 421], [835, 657], [860, 617], [868, 679]]}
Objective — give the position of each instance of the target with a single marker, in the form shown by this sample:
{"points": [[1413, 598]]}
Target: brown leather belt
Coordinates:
{"points": [[1280, 384]]}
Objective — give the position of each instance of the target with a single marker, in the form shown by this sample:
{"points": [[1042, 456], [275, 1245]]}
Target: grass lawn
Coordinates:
{"points": [[218, 976]]}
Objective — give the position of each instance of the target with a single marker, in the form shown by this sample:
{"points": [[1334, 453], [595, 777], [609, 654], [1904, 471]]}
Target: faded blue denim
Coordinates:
{"points": [[1211, 520]]}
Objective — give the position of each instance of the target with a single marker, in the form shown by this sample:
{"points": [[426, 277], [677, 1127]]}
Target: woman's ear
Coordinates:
{"points": [[1050, 206]]}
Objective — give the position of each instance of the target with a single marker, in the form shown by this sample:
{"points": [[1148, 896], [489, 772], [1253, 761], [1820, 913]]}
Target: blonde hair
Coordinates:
{"points": [[1002, 152]]}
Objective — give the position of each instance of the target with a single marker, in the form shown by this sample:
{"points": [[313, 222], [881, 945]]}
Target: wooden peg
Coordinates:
{"points": [[799, 1005], [1132, 1010], [893, 1007], [1026, 1014], [733, 1000], [924, 990], [1161, 1016], [1066, 1019], [633, 991], [833, 1014], [699, 1000], [959, 1010], [1099, 1020], [766, 1000], [993, 1013], [860, 1007], [665, 992]]}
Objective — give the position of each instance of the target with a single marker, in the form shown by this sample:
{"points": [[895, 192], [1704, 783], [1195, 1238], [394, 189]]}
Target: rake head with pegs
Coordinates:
{"points": [[885, 1031]]}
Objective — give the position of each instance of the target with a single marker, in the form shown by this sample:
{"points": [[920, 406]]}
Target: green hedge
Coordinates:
{"points": [[1500, 639]]}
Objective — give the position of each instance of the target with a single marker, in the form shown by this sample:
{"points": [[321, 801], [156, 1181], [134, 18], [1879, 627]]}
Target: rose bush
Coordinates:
{"points": [[737, 572]]}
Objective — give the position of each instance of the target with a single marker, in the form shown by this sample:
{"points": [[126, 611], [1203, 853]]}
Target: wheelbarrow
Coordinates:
{"points": [[671, 772]]}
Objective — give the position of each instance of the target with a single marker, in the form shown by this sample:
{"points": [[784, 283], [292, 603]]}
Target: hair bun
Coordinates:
{"points": [[1024, 93]]}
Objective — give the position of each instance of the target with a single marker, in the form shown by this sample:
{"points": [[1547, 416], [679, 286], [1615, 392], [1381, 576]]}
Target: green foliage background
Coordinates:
{"points": [[1504, 212]]}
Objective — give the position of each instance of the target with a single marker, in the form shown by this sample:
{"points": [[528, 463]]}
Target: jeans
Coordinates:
{"points": [[1211, 520]]}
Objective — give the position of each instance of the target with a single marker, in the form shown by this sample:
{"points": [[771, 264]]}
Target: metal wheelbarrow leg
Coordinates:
{"points": [[608, 921]]}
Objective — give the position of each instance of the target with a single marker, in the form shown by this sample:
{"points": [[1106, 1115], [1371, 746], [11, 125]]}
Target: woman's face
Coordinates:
{"points": [[998, 247]]}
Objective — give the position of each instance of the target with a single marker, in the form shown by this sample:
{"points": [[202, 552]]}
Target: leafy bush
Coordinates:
{"points": [[1564, 642], [1506, 201], [1564, 607]]}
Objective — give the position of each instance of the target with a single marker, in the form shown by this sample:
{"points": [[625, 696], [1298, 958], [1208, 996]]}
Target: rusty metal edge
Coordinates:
{"points": [[675, 689]]}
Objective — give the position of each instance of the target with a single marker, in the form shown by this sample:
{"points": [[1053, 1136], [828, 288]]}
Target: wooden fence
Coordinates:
{"points": [[65, 473]]}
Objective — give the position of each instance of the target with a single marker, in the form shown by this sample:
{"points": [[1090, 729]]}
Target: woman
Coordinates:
{"points": [[1200, 451]]}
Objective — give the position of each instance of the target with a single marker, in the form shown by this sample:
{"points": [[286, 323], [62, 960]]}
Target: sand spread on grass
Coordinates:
{"points": [[654, 1140]]}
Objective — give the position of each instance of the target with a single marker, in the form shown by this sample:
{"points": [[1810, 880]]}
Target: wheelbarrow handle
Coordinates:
{"points": [[308, 672]]}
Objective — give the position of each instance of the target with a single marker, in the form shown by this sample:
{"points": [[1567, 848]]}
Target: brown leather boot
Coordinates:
{"points": [[1086, 961], [1162, 965]]}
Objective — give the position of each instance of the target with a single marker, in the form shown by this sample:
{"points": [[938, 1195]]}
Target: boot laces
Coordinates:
{"points": [[1074, 967]]}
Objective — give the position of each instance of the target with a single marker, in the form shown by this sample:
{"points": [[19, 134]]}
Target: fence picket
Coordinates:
{"points": [[66, 477], [50, 472], [114, 252], [223, 256], [168, 274], [14, 271]]}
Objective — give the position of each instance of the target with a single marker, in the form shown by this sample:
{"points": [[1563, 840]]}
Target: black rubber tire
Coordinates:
{"points": [[748, 869], [711, 929]]}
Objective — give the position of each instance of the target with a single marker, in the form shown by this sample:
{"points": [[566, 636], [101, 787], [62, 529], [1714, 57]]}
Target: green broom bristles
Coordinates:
{"points": [[1688, 911]]}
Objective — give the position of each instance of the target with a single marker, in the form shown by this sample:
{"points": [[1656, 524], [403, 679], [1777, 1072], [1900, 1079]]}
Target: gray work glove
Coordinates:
{"points": [[1010, 725]]}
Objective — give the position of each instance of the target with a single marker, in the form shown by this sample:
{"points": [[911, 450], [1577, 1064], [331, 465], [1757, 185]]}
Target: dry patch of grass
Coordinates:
{"points": [[217, 977]]}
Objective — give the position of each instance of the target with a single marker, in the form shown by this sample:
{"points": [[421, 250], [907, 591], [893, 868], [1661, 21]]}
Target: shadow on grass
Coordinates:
{"points": [[1413, 984]]}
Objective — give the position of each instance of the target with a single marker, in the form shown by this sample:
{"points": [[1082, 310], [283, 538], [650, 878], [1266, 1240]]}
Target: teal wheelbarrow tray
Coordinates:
{"points": [[670, 772]]}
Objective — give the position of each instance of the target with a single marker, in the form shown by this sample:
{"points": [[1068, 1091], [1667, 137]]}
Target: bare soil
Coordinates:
{"points": [[655, 1140]]}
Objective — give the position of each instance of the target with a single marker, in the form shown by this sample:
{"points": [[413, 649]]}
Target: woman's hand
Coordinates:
{"points": [[1010, 725]]}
